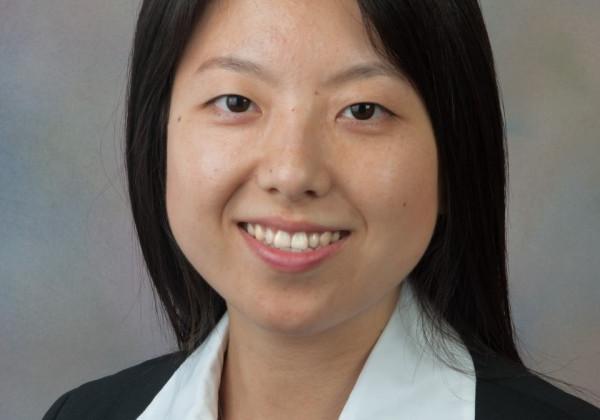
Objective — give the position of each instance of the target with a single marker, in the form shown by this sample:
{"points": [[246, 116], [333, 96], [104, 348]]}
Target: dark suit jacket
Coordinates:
{"points": [[503, 391]]}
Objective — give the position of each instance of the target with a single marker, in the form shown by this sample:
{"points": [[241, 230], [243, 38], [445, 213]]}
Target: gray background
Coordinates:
{"points": [[75, 303]]}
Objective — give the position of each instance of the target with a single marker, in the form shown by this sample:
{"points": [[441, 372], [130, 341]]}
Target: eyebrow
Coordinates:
{"points": [[355, 72]]}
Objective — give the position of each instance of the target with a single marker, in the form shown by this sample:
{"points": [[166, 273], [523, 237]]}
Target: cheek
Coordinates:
{"points": [[199, 167], [400, 185], [399, 198], [196, 192]]}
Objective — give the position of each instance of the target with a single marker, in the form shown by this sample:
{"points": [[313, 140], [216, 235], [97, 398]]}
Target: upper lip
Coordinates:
{"points": [[292, 226]]}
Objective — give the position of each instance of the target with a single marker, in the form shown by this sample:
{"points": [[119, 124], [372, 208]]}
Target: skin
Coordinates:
{"points": [[297, 342]]}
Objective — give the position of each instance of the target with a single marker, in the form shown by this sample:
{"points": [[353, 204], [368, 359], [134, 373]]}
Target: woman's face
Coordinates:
{"points": [[300, 151]]}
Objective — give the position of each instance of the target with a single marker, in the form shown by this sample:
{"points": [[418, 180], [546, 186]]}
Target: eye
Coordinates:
{"points": [[363, 111], [232, 103]]}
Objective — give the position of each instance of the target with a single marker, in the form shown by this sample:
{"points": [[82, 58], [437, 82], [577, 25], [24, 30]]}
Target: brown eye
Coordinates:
{"points": [[365, 111], [362, 111], [237, 103]]}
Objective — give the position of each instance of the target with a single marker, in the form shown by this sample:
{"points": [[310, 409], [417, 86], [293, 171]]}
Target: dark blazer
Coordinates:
{"points": [[503, 391]]}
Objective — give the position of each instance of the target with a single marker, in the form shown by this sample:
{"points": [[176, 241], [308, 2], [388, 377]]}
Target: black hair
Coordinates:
{"points": [[443, 48]]}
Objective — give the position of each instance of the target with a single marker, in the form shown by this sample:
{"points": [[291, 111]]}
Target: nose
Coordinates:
{"points": [[294, 162]]}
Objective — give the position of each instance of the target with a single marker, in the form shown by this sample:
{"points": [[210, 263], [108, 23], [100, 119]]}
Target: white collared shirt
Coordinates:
{"points": [[401, 378]]}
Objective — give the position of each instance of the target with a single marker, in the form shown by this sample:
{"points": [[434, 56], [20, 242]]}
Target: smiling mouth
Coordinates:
{"points": [[292, 241], [292, 260]]}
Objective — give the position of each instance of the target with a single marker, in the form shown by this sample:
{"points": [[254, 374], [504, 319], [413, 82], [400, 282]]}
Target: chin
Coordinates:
{"points": [[290, 319]]}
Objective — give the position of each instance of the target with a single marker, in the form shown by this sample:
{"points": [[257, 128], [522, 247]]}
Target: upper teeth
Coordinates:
{"points": [[299, 241]]}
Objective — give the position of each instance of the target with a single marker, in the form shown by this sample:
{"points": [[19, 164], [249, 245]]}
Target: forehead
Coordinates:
{"points": [[296, 36]]}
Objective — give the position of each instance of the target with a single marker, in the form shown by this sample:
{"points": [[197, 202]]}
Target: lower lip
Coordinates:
{"points": [[291, 262]]}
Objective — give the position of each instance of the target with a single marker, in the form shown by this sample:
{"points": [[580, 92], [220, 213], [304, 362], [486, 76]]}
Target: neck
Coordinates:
{"points": [[269, 375]]}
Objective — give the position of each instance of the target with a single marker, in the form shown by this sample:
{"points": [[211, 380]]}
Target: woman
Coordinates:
{"points": [[319, 193]]}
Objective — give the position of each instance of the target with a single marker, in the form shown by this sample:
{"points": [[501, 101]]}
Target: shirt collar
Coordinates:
{"points": [[401, 376]]}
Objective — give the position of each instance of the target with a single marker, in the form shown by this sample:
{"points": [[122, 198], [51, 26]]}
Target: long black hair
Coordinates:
{"points": [[444, 50]]}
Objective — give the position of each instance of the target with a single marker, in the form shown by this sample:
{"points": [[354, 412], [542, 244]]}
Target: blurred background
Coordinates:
{"points": [[75, 302]]}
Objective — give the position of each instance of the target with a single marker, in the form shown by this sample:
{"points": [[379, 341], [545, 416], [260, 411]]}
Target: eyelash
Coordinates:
{"points": [[386, 112]]}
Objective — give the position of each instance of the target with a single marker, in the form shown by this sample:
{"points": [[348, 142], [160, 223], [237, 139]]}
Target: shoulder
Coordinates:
{"points": [[508, 391], [123, 395]]}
